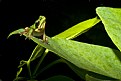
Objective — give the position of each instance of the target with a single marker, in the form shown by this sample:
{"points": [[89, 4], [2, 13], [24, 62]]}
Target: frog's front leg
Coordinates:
{"points": [[28, 32]]}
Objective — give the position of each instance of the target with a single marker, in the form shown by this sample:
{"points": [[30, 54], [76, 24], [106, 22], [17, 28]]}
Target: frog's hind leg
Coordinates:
{"points": [[45, 38]]}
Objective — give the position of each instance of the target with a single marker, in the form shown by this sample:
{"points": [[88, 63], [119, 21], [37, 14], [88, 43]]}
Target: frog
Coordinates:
{"points": [[37, 29]]}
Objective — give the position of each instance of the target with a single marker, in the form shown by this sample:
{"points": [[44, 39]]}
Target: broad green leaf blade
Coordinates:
{"points": [[16, 32], [111, 18], [44, 44], [59, 78], [78, 29], [98, 59], [82, 72], [90, 78]]}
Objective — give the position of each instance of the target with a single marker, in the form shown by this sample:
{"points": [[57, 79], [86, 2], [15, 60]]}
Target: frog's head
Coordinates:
{"points": [[40, 24]]}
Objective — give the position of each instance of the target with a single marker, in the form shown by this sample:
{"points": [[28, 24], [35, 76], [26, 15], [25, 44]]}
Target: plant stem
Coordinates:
{"points": [[38, 49], [49, 65], [41, 59], [28, 66]]}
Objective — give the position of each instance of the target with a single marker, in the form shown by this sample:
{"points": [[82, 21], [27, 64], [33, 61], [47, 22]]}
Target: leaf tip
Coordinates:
{"points": [[16, 32]]}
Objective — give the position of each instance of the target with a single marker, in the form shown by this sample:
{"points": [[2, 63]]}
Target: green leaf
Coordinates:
{"points": [[111, 18], [78, 29], [90, 78], [16, 32], [59, 78], [98, 59], [82, 72]]}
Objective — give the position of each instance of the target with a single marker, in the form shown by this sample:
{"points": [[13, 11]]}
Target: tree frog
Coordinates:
{"points": [[37, 29]]}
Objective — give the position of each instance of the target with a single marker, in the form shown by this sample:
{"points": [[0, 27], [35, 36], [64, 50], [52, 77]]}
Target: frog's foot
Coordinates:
{"points": [[45, 39], [26, 30]]}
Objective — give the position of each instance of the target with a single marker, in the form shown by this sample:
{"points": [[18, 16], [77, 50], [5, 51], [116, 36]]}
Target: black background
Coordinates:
{"points": [[60, 14]]}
